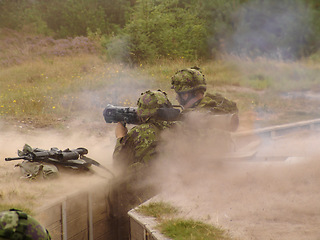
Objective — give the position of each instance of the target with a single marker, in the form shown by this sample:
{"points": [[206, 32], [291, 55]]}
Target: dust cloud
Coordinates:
{"points": [[271, 29], [249, 197], [16, 191], [85, 127]]}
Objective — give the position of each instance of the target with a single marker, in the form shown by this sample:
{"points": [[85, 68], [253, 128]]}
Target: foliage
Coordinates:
{"points": [[11, 13], [45, 90], [18, 48], [219, 22], [43, 79], [179, 229], [162, 29], [136, 31], [176, 228], [65, 18]]}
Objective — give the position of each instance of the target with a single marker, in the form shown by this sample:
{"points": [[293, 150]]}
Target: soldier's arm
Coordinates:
{"points": [[123, 153], [121, 130]]}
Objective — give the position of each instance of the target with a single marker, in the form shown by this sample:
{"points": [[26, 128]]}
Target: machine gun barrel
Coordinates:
{"points": [[15, 158]]}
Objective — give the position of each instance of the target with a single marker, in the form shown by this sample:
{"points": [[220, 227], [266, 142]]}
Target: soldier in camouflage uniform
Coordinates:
{"points": [[134, 152], [15, 225], [190, 86], [135, 149]]}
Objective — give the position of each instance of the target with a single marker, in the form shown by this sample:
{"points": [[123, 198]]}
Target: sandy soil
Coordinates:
{"points": [[256, 200], [260, 200], [16, 191]]}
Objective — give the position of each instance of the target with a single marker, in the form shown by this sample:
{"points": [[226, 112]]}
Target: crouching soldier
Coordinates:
{"points": [[134, 154]]}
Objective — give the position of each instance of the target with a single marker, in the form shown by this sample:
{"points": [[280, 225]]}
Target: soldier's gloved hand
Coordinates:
{"points": [[121, 130]]}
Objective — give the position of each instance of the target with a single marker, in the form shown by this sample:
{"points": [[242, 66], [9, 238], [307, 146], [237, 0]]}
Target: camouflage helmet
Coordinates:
{"points": [[150, 101], [187, 80], [15, 224]]}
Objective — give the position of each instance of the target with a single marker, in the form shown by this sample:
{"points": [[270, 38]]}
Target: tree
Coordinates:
{"points": [[163, 29]]}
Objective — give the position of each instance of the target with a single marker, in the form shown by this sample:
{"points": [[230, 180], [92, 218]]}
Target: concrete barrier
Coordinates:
{"points": [[144, 227]]}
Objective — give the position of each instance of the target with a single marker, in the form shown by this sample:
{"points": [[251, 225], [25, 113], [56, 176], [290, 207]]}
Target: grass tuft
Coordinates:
{"points": [[181, 229]]}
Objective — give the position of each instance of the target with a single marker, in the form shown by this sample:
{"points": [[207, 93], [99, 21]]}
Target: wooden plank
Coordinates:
{"points": [[73, 214], [100, 206], [50, 218], [77, 204], [103, 227], [90, 217], [77, 224], [55, 232], [99, 216], [82, 235], [64, 220], [77, 215], [105, 237], [49, 215]]}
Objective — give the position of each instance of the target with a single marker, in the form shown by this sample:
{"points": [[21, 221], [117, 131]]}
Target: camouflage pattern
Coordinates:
{"points": [[15, 224], [150, 101], [215, 104], [133, 155], [187, 80], [35, 169], [138, 147], [190, 79]]}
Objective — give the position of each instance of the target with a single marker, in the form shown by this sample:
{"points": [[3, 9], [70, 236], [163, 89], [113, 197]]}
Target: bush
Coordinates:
{"points": [[163, 29]]}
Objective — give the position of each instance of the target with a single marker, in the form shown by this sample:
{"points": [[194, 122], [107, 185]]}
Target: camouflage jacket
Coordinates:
{"points": [[215, 103], [138, 147], [205, 128]]}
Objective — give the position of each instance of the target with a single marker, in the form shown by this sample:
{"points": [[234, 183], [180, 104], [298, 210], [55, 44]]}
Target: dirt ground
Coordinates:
{"points": [[252, 200], [31, 194]]}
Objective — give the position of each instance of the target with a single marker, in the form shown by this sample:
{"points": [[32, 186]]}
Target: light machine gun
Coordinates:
{"points": [[69, 158]]}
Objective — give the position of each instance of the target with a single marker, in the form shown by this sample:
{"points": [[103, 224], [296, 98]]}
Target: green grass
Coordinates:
{"points": [[178, 228], [181, 229], [45, 89], [39, 87]]}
